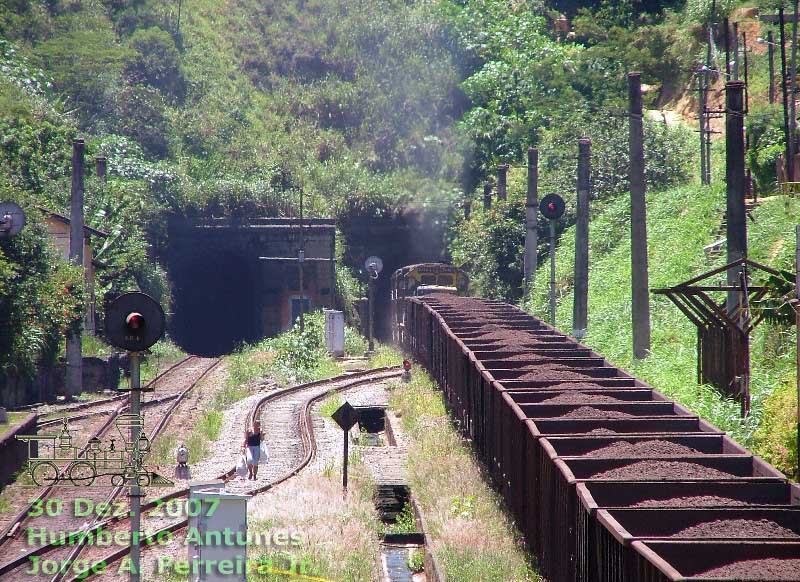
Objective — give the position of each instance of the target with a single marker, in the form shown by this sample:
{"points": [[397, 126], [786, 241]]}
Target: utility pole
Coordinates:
{"points": [[771, 54], [301, 257], [487, 196], [74, 375], [502, 181], [792, 89], [706, 118], [787, 134], [735, 178], [531, 205], [640, 299], [735, 51], [727, 39], [467, 208], [797, 334], [580, 306], [701, 116]]}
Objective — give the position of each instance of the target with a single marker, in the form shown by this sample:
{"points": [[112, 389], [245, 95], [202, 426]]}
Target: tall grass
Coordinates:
{"points": [[474, 538]]}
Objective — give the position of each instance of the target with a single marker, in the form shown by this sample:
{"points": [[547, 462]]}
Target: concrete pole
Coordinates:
{"points": [[771, 54], [580, 306], [797, 335], [74, 373], [792, 89], [787, 134], [727, 39], [467, 208], [101, 167], [640, 299], [735, 177], [735, 51], [531, 209], [701, 116], [487, 196], [502, 181]]}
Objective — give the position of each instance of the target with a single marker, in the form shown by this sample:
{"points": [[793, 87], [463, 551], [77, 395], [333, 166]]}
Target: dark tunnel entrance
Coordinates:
{"points": [[213, 308], [399, 240]]}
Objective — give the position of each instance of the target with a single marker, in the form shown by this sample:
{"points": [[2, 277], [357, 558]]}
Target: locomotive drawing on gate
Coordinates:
{"points": [[62, 461], [418, 280]]}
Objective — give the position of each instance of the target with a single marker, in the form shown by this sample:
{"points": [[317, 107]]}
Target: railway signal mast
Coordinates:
{"points": [[552, 208], [373, 265], [135, 322]]}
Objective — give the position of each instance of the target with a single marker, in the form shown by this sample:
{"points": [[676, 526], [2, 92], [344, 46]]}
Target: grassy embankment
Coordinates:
{"points": [[474, 538], [681, 222]]}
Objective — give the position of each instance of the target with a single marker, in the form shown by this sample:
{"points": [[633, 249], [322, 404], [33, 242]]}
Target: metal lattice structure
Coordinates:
{"points": [[723, 329]]}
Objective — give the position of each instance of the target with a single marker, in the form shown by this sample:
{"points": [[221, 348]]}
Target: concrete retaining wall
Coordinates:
{"points": [[14, 453]]}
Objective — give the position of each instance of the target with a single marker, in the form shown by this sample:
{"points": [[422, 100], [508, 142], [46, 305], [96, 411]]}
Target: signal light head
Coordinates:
{"points": [[134, 321], [406, 365], [552, 206]]}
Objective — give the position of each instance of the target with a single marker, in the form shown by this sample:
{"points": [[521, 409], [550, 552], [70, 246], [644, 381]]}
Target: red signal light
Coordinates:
{"points": [[406, 365], [552, 206], [134, 321]]}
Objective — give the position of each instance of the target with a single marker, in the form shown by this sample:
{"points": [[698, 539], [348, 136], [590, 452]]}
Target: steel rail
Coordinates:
{"points": [[19, 519], [307, 435]]}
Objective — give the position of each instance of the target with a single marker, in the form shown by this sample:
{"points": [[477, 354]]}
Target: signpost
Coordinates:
{"points": [[552, 207], [134, 322], [345, 416], [373, 265]]}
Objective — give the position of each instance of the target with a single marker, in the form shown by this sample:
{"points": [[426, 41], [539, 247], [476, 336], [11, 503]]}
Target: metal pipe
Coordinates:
{"points": [[553, 273], [135, 399]]}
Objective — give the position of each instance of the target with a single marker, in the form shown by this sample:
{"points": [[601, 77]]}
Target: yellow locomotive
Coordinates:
{"points": [[422, 279]]}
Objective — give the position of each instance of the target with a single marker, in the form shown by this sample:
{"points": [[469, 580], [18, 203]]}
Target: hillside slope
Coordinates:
{"points": [[681, 221]]}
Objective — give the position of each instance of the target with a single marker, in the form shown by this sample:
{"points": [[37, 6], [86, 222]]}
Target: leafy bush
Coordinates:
{"points": [[41, 296]]}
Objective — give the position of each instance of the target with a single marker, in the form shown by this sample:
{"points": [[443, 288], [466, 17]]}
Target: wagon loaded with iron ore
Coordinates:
{"points": [[609, 480]]}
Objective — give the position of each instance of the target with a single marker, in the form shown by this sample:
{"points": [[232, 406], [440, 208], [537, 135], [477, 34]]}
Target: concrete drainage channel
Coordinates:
{"points": [[404, 555]]}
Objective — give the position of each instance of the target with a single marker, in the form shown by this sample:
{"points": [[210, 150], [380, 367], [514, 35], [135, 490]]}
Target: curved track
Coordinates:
{"points": [[292, 448], [15, 542]]}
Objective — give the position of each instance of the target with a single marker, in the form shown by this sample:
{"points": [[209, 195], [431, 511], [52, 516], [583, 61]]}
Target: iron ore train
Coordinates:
{"points": [[608, 479]]}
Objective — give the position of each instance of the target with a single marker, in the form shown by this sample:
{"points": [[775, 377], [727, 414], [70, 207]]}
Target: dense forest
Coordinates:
{"points": [[370, 108]]}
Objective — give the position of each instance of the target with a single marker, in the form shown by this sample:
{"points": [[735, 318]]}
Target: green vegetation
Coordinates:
{"points": [[335, 533], [330, 405], [690, 214], [290, 358], [405, 522], [202, 434], [14, 418], [473, 538], [416, 560]]}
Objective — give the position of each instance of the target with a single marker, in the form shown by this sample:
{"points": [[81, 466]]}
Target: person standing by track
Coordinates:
{"points": [[252, 447]]}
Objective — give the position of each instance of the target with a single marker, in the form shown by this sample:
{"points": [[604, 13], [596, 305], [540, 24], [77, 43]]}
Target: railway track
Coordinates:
{"points": [[67, 498], [104, 405], [292, 448], [609, 480]]}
